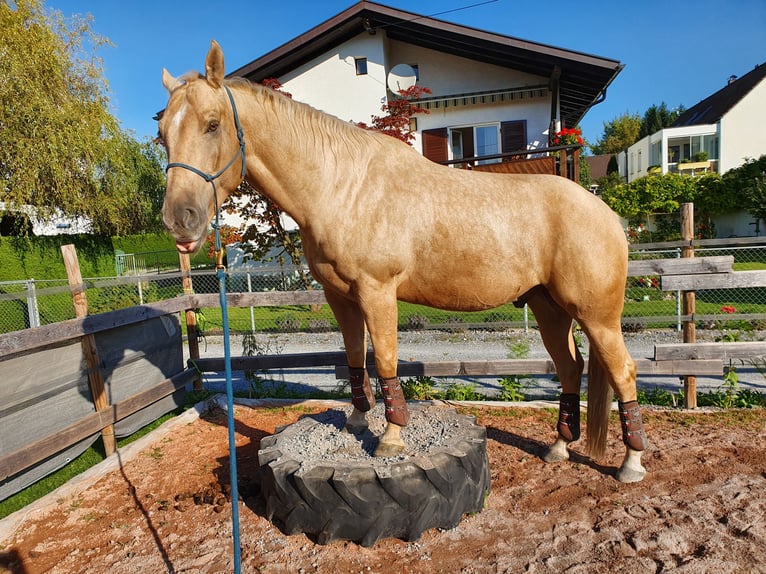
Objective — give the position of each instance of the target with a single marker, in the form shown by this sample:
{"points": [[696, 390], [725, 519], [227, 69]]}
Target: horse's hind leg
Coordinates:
{"points": [[556, 331], [610, 363], [351, 323]]}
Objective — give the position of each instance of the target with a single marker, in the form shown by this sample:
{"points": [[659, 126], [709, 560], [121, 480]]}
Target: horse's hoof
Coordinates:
{"points": [[557, 452], [356, 428], [386, 449], [628, 475]]}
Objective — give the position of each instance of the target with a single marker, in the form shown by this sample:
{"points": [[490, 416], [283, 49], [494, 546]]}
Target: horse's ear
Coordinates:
{"points": [[214, 65], [169, 81]]}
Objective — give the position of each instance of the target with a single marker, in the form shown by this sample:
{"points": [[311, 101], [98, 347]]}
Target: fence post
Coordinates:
{"points": [[190, 316], [690, 301], [89, 349], [252, 313], [32, 310]]}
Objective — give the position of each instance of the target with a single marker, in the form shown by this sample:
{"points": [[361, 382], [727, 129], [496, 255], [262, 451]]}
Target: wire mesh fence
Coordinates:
{"points": [[31, 302]]}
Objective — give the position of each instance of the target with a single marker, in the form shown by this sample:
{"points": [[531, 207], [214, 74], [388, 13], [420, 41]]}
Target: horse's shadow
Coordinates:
{"points": [[538, 449]]}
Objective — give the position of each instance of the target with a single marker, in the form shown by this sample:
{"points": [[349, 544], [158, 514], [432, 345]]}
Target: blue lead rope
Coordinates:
{"points": [[221, 272]]}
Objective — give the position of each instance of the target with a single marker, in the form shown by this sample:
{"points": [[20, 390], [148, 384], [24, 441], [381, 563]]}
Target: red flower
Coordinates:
{"points": [[728, 309], [568, 136]]}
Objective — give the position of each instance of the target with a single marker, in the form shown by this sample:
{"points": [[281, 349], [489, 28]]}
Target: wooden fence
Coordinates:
{"points": [[683, 359]]}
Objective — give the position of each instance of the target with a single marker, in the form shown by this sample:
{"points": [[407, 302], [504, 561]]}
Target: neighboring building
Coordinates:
{"points": [[56, 224], [717, 134], [491, 93], [724, 127]]}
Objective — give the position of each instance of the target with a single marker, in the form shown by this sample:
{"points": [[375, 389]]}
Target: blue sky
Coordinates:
{"points": [[676, 52]]}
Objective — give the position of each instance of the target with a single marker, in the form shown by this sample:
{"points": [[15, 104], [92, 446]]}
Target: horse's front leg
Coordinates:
{"points": [[381, 315], [351, 323]]}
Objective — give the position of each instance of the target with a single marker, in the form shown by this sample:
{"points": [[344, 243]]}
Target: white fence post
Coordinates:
{"points": [[252, 315], [32, 309]]}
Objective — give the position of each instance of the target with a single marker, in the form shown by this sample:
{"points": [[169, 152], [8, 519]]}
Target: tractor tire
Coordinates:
{"points": [[343, 494]]}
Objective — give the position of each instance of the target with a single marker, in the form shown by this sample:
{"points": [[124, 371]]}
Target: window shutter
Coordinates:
{"points": [[513, 135], [435, 144]]}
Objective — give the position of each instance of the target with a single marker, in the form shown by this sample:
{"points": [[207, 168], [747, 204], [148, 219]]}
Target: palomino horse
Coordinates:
{"points": [[379, 222]]}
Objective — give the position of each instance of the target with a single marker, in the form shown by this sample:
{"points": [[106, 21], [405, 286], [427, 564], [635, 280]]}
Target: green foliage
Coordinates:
{"points": [[625, 130], [60, 147], [748, 182], [651, 194], [511, 388], [619, 134], [462, 392], [40, 257], [657, 117], [420, 388]]}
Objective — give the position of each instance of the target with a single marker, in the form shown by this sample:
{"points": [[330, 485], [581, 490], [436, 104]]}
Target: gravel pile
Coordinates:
{"points": [[321, 438]]}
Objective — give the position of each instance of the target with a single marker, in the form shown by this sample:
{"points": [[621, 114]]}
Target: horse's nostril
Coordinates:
{"points": [[189, 218]]}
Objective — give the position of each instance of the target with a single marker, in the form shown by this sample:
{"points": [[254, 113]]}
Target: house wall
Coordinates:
{"points": [[741, 136], [329, 82]]}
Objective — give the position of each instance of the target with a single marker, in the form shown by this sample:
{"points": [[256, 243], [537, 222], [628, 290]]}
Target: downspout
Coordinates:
{"points": [[555, 87]]}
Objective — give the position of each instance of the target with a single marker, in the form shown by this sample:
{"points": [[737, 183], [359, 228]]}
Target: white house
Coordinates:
{"points": [[724, 126], [490, 93]]}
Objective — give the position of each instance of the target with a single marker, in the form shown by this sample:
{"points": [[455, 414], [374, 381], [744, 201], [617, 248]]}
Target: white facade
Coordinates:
{"points": [[734, 138], [741, 130], [330, 83]]}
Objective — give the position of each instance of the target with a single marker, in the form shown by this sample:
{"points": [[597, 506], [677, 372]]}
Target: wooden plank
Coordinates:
{"points": [[539, 367], [259, 299], [15, 462], [89, 350], [689, 266], [18, 342], [725, 242], [263, 362], [737, 279], [716, 350]]}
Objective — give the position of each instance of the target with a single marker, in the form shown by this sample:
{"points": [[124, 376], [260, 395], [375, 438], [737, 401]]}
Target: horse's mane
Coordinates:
{"points": [[316, 129]]}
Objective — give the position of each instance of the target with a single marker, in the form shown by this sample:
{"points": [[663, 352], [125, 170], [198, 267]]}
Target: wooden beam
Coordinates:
{"points": [[721, 351], [689, 266], [737, 279], [20, 342], [89, 349], [37, 451]]}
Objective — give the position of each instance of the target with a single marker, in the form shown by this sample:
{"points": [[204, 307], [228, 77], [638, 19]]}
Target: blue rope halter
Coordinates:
{"points": [[221, 273]]}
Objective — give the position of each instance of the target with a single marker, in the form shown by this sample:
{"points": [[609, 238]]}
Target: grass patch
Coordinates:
{"points": [[91, 457]]}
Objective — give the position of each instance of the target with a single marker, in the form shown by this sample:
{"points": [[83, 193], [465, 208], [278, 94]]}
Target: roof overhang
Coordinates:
{"points": [[582, 78]]}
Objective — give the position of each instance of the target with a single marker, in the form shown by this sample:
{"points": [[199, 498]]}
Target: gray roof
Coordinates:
{"points": [[713, 108]]}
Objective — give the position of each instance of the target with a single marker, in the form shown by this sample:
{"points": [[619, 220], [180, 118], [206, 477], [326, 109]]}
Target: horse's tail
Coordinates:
{"points": [[600, 396]]}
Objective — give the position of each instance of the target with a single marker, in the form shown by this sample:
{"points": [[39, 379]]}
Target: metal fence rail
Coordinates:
{"points": [[33, 302]]}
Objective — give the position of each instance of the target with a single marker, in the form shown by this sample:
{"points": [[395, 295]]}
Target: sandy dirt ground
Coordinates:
{"points": [[701, 509]]}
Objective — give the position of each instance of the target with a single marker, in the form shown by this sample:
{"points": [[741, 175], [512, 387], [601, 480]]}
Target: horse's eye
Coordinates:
{"points": [[212, 126]]}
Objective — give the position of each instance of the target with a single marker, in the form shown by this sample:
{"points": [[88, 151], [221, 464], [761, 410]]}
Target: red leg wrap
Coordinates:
{"points": [[633, 434], [362, 396], [569, 417], [396, 406]]}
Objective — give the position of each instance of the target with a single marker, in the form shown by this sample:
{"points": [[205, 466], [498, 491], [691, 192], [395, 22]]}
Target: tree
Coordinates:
{"points": [[60, 147], [398, 113], [746, 186], [619, 134], [657, 118], [625, 130]]}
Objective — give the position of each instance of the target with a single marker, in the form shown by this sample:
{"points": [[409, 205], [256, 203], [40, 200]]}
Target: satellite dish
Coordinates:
{"points": [[401, 77]]}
